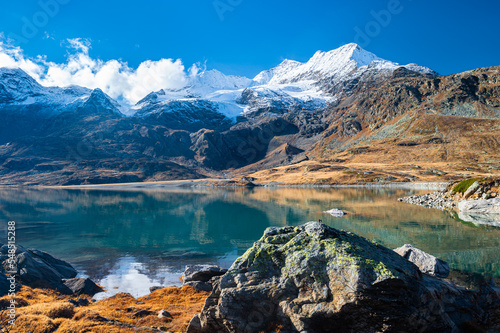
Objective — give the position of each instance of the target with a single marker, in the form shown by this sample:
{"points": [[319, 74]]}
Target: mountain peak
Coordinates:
{"points": [[16, 77], [215, 79], [341, 57], [334, 65], [98, 103]]}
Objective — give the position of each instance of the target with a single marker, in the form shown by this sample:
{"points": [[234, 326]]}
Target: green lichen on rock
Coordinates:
{"points": [[317, 253], [314, 278]]}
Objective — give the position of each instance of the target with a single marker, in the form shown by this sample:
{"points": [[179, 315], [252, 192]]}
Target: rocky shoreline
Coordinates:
{"points": [[472, 200], [436, 200]]}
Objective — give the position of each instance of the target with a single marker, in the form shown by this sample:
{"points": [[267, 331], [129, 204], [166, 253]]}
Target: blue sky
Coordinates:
{"points": [[246, 36]]}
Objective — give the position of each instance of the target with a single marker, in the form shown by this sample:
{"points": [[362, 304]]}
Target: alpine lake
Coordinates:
{"points": [[130, 240]]}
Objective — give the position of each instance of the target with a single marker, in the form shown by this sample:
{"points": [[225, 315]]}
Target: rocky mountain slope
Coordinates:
{"points": [[343, 106]]}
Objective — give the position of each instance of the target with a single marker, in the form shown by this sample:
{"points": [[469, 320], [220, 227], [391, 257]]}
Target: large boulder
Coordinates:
{"points": [[425, 262], [38, 269], [317, 279], [482, 211]]}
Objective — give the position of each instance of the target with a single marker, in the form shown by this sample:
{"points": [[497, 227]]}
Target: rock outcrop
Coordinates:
{"points": [[39, 269], [482, 211], [317, 279], [425, 262], [201, 276], [81, 286], [477, 200]]}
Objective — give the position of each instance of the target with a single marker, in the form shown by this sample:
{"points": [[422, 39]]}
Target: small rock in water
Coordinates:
{"points": [[335, 212]]}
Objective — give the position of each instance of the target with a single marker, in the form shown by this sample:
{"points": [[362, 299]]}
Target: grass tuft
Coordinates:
{"points": [[463, 186], [45, 311]]}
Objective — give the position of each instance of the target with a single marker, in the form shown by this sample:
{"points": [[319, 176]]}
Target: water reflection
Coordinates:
{"points": [[148, 236]]}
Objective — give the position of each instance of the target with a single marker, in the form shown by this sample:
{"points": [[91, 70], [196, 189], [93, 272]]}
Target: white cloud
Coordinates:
{"points": [[115, 77]]}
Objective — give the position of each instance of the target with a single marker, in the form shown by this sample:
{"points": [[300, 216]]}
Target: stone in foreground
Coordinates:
{"points": [[38, 269], [200, 276], [317, 279], [202, 273], [425, 262], [83, 286]]}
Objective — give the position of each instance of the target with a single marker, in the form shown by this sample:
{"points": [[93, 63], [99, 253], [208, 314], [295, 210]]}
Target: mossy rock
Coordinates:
{"points": [[322, 254], [314, 278], [464, 185]]}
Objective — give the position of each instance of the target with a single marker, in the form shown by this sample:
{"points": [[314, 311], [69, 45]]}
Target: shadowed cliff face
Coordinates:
{"points": [[405, 115]]}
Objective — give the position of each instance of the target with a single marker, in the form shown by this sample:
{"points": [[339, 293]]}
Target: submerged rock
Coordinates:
{"points": [[425, 262], [317, 279]]}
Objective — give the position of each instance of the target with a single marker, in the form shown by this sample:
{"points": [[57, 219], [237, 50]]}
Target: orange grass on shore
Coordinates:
{"points": [[46, 311]]}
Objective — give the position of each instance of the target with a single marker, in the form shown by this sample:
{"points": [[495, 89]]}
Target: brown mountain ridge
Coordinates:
{"points": [[405, 126]]}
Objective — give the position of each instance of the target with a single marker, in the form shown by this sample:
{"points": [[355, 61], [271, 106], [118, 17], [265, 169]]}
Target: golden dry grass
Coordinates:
{"points": [[45, 311], [468, 147]]}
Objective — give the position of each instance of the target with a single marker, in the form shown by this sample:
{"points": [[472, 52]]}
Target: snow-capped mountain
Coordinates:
{"points": [[100, 103], [218, 92], [211, 99], [329, 108], [291, 85], [21, 92], [337, 65], [19, 89]]}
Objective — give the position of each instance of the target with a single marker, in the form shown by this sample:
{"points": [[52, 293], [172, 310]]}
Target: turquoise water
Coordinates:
{"points": [[136, 239]]}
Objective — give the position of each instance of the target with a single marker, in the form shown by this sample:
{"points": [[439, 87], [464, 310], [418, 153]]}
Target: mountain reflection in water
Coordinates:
{"points": [[136, 239]]}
